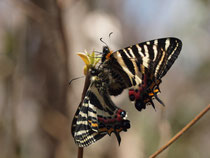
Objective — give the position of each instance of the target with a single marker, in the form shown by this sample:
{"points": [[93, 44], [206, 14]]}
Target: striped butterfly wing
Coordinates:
{"points": [[140, 68], [97, 116]]}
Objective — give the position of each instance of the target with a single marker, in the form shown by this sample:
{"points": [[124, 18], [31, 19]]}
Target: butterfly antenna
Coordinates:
{"points": [[103, 41], [75, 79], [110, 34]]}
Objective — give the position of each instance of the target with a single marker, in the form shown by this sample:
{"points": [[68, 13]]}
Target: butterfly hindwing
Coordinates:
{"points": [[97, 116]]}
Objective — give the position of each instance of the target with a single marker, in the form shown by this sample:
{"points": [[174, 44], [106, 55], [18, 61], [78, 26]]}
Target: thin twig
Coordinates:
{"points": [[201, 114], [80, 152]]}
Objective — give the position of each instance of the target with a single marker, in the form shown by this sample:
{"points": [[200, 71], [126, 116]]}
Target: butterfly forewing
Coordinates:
{"points": [[156, 55], [153, 57]]}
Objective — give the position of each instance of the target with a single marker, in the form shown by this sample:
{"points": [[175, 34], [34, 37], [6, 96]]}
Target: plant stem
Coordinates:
{"points": [[201, 114], [80, 152]]}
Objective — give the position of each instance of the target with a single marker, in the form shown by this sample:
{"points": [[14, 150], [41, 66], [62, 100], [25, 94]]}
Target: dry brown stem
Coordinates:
{"points": [[190, 124]]}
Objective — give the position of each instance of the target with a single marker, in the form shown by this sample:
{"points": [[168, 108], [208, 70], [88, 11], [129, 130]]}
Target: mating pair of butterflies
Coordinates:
{"points": [[138, 68]]}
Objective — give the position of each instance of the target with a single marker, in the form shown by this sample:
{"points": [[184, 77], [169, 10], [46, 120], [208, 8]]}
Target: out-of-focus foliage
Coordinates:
{"points": [[38, 45]]}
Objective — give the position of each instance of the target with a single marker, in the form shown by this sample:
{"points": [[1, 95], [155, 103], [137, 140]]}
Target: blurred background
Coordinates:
{"points": [[38, 45]]}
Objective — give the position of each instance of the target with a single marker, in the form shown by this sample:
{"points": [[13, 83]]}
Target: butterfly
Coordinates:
{"points": [[138, 68]]}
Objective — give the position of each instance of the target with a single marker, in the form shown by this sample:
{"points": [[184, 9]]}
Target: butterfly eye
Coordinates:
{"points": [[106, 50]]}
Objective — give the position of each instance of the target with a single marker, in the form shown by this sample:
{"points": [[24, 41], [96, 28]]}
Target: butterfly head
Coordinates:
{"points": [[106, 53]]}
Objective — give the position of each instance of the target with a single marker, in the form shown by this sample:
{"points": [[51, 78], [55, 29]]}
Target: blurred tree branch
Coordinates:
{"points": [[46, 69]]}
